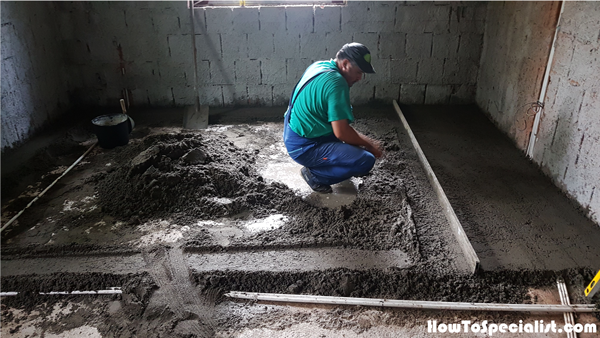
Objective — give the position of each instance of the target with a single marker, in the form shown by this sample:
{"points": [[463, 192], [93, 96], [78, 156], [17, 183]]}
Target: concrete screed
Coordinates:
{"points": [[178, 217]]}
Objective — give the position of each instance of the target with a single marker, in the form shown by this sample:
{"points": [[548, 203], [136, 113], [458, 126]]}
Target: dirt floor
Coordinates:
{"points": [[179, 217]]}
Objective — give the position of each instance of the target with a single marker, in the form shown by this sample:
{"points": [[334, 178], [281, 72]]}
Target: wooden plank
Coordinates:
{"points": [[462, 239]]}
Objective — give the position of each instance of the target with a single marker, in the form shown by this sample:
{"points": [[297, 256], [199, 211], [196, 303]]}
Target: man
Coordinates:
{"points": [[317, 131]]}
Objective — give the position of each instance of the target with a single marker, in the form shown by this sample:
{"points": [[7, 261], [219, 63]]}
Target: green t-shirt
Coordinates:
{"points": [[324, 100]]}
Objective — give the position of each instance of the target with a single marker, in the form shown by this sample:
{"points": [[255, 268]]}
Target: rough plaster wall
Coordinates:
{"points": [[568, 145], [423, 52], [33, 86], [517, 42]]}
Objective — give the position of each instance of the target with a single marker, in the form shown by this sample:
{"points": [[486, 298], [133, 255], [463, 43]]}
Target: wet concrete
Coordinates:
{"points": [[513, 215]]}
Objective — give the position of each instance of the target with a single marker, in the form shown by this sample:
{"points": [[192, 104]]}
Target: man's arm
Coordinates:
{"points": [[345, 133]]}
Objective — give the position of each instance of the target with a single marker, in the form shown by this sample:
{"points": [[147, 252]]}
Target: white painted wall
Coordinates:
{"points": [[516, 46], [34, 89]]}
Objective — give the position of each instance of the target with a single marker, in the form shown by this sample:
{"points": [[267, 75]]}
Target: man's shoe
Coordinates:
{"points": [[308, 177]]}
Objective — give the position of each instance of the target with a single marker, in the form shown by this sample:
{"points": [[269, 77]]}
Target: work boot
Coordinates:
{"points": [[310, 180]]}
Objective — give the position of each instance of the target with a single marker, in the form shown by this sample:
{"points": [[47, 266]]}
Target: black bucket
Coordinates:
{"points": [[112, 130]]}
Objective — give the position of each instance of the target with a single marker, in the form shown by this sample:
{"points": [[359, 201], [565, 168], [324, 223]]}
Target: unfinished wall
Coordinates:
{"points": [[33, 85], [423, 52], [516, 46], [568, 144], [517, 42]]}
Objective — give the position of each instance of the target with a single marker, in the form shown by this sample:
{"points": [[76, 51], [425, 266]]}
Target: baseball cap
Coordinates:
{"points": [[360, 54]]}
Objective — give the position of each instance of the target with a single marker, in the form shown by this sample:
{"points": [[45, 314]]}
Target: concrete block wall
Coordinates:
{"points": [[34, 90], [516, 47], [424, 52], [568, 143], [515, 54]]}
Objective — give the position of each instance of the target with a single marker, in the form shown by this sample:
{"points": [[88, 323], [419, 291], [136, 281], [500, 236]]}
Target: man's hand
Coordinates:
{"points": [[345, 133]]}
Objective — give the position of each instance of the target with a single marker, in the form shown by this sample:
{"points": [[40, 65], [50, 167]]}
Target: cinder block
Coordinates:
{"points": [[391, 45], [387, 92], [184, 95], [219, 20], [208, 46], [445, 45], [222, 72], [328, 19], [299, 19], [295, 68], [418, 45], [203, 74], [470, 46], [287, 44], [436, 20], [173, 20], [247, 72], [412, 94], [245, 20], [139, 21], [430, 71], [368, 17], [281, 95], [371, 40], [470, 69], [261, 45], [463, 94], [452, 72], [104, 50], [260, 95], [437, 94], [234, 46], [361, 93], [211, 95], [382, 73], [273, 71], [313, 46], [272, 19], [403, 71], [199, 21], [409, 18], [179, 48], [334, 42], [135, 49], [235, 95]]}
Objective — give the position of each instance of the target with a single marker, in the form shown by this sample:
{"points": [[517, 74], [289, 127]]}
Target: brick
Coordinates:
{"points": [[299, 19], [313, 46], [361, 93], [371, 40], [281, 95], [211, 95], [272, 19], [328, 19], [222, 72], [208, 46], [261, 95], [430, 71], [235, 95], [219, 20], [234, 46], [273, 71], [470, 46], [295, 68], [403, 71], [418, 45], [445, 45], [387, 92], [412, 94], [245, 20], [437, 94], [261, 45], [391, 45], [463, 94], [287, 44], [334, 42], [247, 72]]}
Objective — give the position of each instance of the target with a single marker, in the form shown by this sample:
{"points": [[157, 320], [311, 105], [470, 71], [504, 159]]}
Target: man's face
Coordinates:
{"points": [[351, 73]]}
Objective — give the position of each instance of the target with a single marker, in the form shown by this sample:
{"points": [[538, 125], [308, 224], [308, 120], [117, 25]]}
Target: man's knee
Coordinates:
{"points": [[365, 163]]}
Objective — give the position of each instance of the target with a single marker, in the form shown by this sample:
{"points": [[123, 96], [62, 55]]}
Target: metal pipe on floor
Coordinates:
{"points": [[411, 304], [48, 188], [111, 291]]}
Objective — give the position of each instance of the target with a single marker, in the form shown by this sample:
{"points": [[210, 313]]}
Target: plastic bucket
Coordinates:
{"points": [[112, 130]]}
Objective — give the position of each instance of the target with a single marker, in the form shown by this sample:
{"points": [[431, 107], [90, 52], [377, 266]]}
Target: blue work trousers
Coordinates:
{"points": [[329, 160]]}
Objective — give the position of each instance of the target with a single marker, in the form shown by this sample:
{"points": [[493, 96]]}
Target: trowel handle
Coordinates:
{"points": [[123, 106]]}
